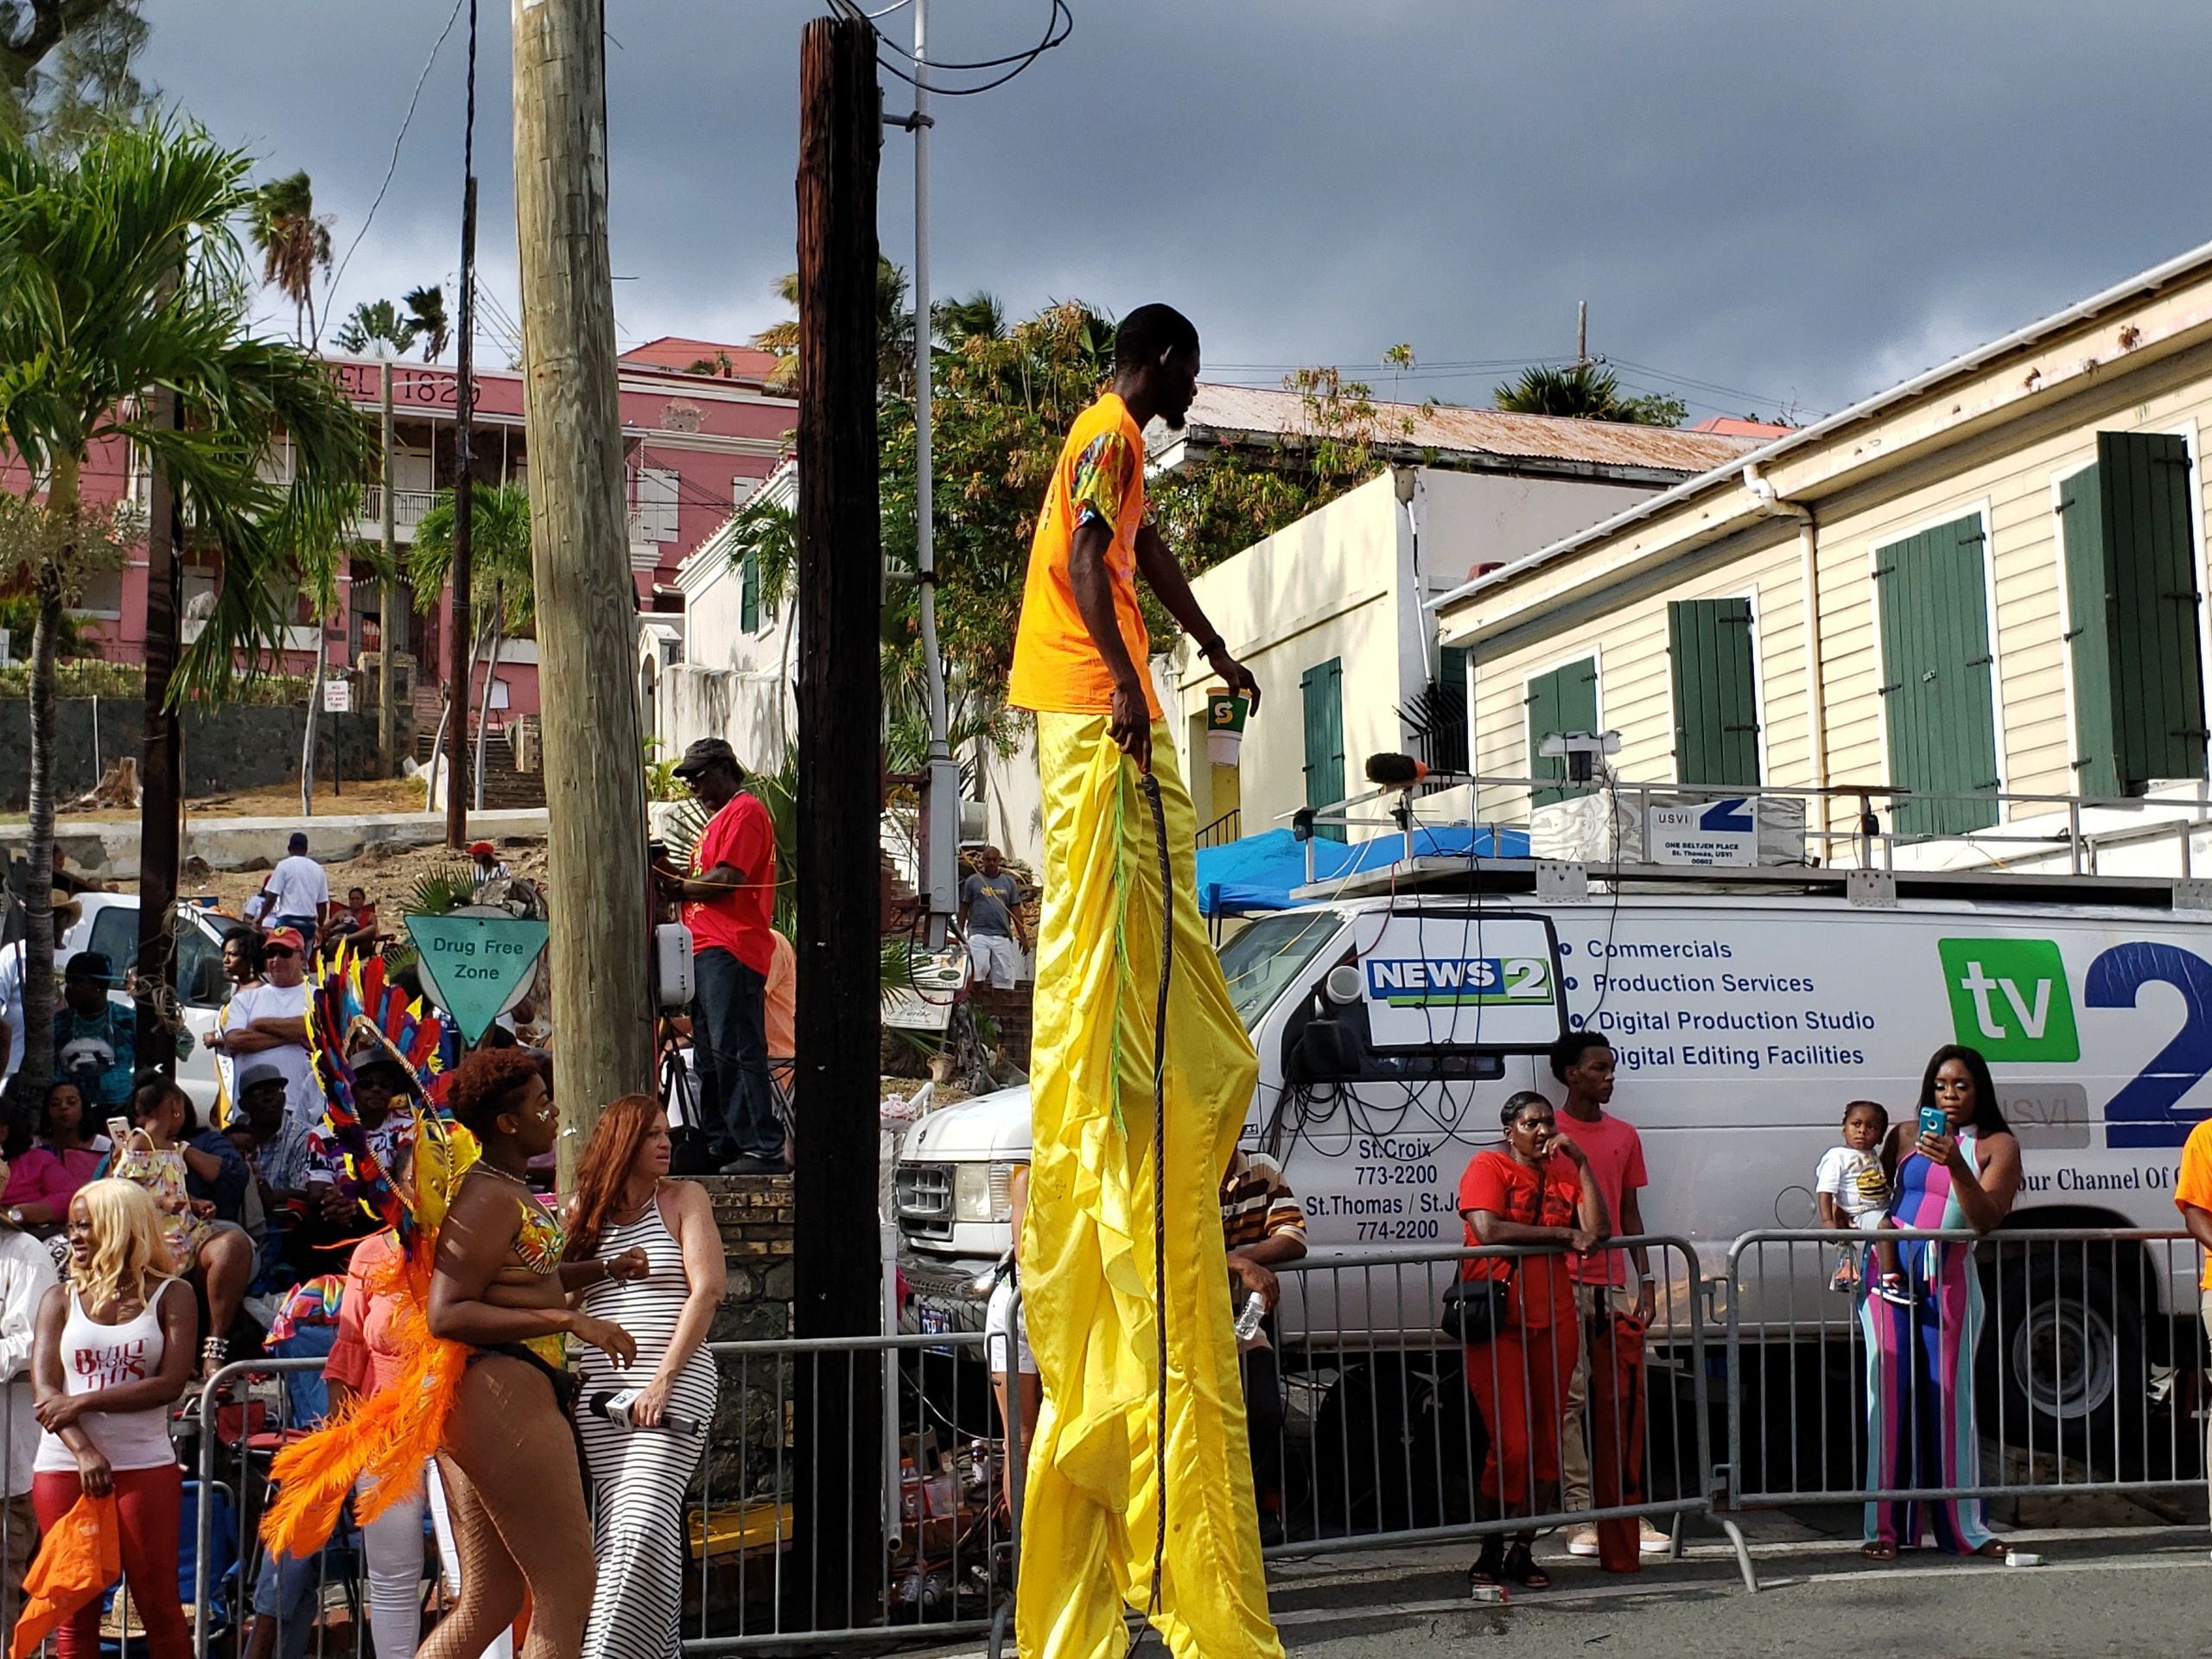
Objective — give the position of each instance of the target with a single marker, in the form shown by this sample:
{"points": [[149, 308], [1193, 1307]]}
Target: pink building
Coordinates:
{"points": [[700, 431]]}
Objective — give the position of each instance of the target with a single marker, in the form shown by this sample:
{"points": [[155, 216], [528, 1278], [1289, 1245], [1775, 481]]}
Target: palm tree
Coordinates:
{"points": [[894, 333], [120, 271], [294, 243], [426, 309], [377, 322], [499, 553], [980, 316], [764, 551], [1582, 391]]}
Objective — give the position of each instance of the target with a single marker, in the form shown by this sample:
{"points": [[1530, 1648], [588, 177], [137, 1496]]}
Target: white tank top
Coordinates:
{"points": [[95, 1356]]}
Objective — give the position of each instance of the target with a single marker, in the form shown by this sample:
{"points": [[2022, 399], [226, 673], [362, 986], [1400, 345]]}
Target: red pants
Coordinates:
{"points": [[1617, 1434], [1519, 1380], [148, 1503]]}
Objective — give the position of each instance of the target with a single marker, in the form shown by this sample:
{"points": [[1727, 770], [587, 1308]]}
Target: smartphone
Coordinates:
{"points": [[118, 1129], [1935, 1120]]}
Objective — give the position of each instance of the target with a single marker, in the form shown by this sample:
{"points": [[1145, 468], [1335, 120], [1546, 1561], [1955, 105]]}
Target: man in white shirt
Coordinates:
{"points": [[297, 890], [12, 958], [270, 1020], [26, 1274]]}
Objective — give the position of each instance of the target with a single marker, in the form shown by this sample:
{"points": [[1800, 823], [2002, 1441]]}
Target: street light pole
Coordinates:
{"points": [[940, 798]]}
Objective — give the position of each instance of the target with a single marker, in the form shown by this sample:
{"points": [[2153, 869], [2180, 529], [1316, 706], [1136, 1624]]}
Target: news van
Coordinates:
{"points": [[1744, 1012]]}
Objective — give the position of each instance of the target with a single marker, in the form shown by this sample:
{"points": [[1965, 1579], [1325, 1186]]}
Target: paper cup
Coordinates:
{"points": [[1225, 713]]}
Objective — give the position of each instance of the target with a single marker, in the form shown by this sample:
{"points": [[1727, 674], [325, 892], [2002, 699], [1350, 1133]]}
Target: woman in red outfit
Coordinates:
{"points": [[1538, 1192], [113, 1352]]}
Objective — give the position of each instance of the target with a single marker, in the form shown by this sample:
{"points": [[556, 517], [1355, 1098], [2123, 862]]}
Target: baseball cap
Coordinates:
{"points": [[287, 937], [483, 846], [93, 963], [704, 753]]}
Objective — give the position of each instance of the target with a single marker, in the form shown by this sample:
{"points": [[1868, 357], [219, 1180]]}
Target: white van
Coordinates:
{"points": [[1743, 1015]]}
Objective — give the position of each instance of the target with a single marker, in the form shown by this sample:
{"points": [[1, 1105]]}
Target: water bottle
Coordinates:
{"points": [[1248, 1322], [615, 1406]]}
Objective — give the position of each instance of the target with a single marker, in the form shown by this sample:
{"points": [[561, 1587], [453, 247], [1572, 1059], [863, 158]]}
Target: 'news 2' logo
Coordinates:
{"points": [[2009, 998], [1458, 981]]}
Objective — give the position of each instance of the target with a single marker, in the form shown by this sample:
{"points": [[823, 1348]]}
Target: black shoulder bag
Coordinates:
{"points": [[1473, 1310]]}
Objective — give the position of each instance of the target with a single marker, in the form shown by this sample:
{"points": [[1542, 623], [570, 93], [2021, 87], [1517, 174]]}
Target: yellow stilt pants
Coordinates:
{"points": [[1089, 1521]]}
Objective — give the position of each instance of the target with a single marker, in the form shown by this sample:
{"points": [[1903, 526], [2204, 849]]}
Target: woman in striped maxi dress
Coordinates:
{"points": [[640, 1471], [1920, 1349]]}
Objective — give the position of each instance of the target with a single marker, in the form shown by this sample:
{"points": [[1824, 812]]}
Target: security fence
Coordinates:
{"points": [[2041, 1362]]}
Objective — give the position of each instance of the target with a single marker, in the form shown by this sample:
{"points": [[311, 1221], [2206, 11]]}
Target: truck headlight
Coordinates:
{"points": [[980, 1192]]}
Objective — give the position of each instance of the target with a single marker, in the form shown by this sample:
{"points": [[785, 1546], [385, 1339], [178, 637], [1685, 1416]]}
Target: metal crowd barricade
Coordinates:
{"points": [[2081, 1378], [1386, 1439]]}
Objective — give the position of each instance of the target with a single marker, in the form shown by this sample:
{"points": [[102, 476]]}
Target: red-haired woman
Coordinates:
{"points": [[642, 1464]]}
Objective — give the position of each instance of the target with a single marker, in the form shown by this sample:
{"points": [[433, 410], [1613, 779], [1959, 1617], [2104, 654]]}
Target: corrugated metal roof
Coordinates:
{"points": [[1223, 414]]}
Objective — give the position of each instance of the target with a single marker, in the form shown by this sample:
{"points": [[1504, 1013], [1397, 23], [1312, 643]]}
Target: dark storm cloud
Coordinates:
{"points": [[1800, 202]]}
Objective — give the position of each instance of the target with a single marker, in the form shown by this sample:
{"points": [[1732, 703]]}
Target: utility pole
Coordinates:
{"points": [[840, 1512], [464, 494], [1581, 332], [587, 599], [388, 604], [161, 761]]}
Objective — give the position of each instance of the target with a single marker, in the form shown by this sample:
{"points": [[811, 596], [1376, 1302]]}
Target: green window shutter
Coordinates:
{"points": [[748, 575], [1563, 700], [2156, 667], [1450, 748], [2090, 634], [1716, 703], [1322, 686], [1933, 596]]}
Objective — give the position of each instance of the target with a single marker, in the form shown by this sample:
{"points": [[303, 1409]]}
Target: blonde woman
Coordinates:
{"points": [[112, 1353]]}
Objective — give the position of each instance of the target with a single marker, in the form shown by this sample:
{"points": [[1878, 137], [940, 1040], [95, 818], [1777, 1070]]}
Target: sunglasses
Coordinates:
{"points": [[280, 951]]}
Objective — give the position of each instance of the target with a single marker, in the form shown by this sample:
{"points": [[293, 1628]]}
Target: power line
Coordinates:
{"points": [[1059, 24], [330, 287]]}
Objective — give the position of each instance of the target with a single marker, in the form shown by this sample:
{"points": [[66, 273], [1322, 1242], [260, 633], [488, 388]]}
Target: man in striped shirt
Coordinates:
{"points": [[1263, 1229]]}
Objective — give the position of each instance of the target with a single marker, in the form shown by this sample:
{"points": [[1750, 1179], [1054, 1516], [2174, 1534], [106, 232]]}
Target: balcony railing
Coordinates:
{"points": [[408, 509]]}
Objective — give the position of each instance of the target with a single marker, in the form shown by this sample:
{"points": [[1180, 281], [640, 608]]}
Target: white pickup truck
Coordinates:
{"points": [[109, 924], [1390, 1029]]}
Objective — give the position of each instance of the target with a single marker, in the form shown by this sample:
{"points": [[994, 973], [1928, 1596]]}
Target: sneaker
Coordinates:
{"points": [[756, 1166], [1583, 1541], [1651, 1540], [1893, 1288]]}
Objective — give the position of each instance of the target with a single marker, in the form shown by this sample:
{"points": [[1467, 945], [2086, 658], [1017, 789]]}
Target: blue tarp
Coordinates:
{"points": [[1259, 872]]}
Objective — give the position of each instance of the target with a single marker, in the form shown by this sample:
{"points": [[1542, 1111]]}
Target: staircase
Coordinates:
{"points": [[504, 787]]}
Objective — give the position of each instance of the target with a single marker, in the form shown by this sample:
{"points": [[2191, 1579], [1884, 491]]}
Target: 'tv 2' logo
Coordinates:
{"points": [[2009, 998]]}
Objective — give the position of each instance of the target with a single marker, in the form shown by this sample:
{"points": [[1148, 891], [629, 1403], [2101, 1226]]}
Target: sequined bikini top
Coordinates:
{"points": [[543, 1236]]}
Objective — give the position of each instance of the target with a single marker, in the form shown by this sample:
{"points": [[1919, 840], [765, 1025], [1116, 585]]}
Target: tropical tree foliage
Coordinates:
{"points": [[66, 68], [426, 309], [420, 315], [121, 271], [294, 242], [1585, 391], [894, 332], [499, 553]]}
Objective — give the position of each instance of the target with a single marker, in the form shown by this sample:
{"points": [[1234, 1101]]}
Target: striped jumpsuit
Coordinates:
{"points": [[1920, 1384], [638, 1477]]}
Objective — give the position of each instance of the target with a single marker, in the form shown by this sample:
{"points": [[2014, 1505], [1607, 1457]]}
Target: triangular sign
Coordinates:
{"points": [[476, 967]]}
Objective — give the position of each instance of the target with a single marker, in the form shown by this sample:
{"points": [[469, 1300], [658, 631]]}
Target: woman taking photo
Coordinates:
{"points": [[508, 1455], [199, 1222], [625, 1202], [1920, 1348], [112, 1353], [43, 1179], [1537, 1191]]}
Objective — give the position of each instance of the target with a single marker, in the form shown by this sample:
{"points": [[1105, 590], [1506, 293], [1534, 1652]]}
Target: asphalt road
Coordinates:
{"points": [[2141, 1594]]}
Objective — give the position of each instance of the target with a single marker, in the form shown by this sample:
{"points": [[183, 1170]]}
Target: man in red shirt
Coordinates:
{"points": [[728, 897], [1605, 1291]]}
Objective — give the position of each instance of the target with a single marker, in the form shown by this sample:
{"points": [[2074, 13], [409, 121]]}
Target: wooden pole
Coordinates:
{"points": [[587, 599], [840, 804], [160, 763], [389, 630], [458, 666]]}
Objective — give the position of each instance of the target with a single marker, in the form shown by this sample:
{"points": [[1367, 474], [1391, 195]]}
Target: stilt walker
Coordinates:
{"points": [[1123, 1263]]}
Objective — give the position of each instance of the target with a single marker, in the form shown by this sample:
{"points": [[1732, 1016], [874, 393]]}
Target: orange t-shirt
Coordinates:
{"points": [[2193, 1186], [1099, 477]]}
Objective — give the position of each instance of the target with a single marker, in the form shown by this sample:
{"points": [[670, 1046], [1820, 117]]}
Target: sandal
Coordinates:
{"points": [[1489, 1567], [1994, 1550], [1521, 1567], [1880, 1550]]}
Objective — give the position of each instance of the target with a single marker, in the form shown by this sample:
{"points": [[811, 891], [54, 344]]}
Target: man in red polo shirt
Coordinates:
{"points": [[729, 897]]}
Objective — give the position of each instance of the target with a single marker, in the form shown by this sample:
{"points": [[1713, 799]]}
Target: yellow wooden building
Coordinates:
{"points": [[2003, 559]]}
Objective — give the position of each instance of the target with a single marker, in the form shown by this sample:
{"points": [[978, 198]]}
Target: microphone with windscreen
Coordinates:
{"points": [[1396, 771]]}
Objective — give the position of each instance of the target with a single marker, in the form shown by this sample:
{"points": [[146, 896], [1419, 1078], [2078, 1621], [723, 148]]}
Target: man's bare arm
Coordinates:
{"points": [[1163, 574]]}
